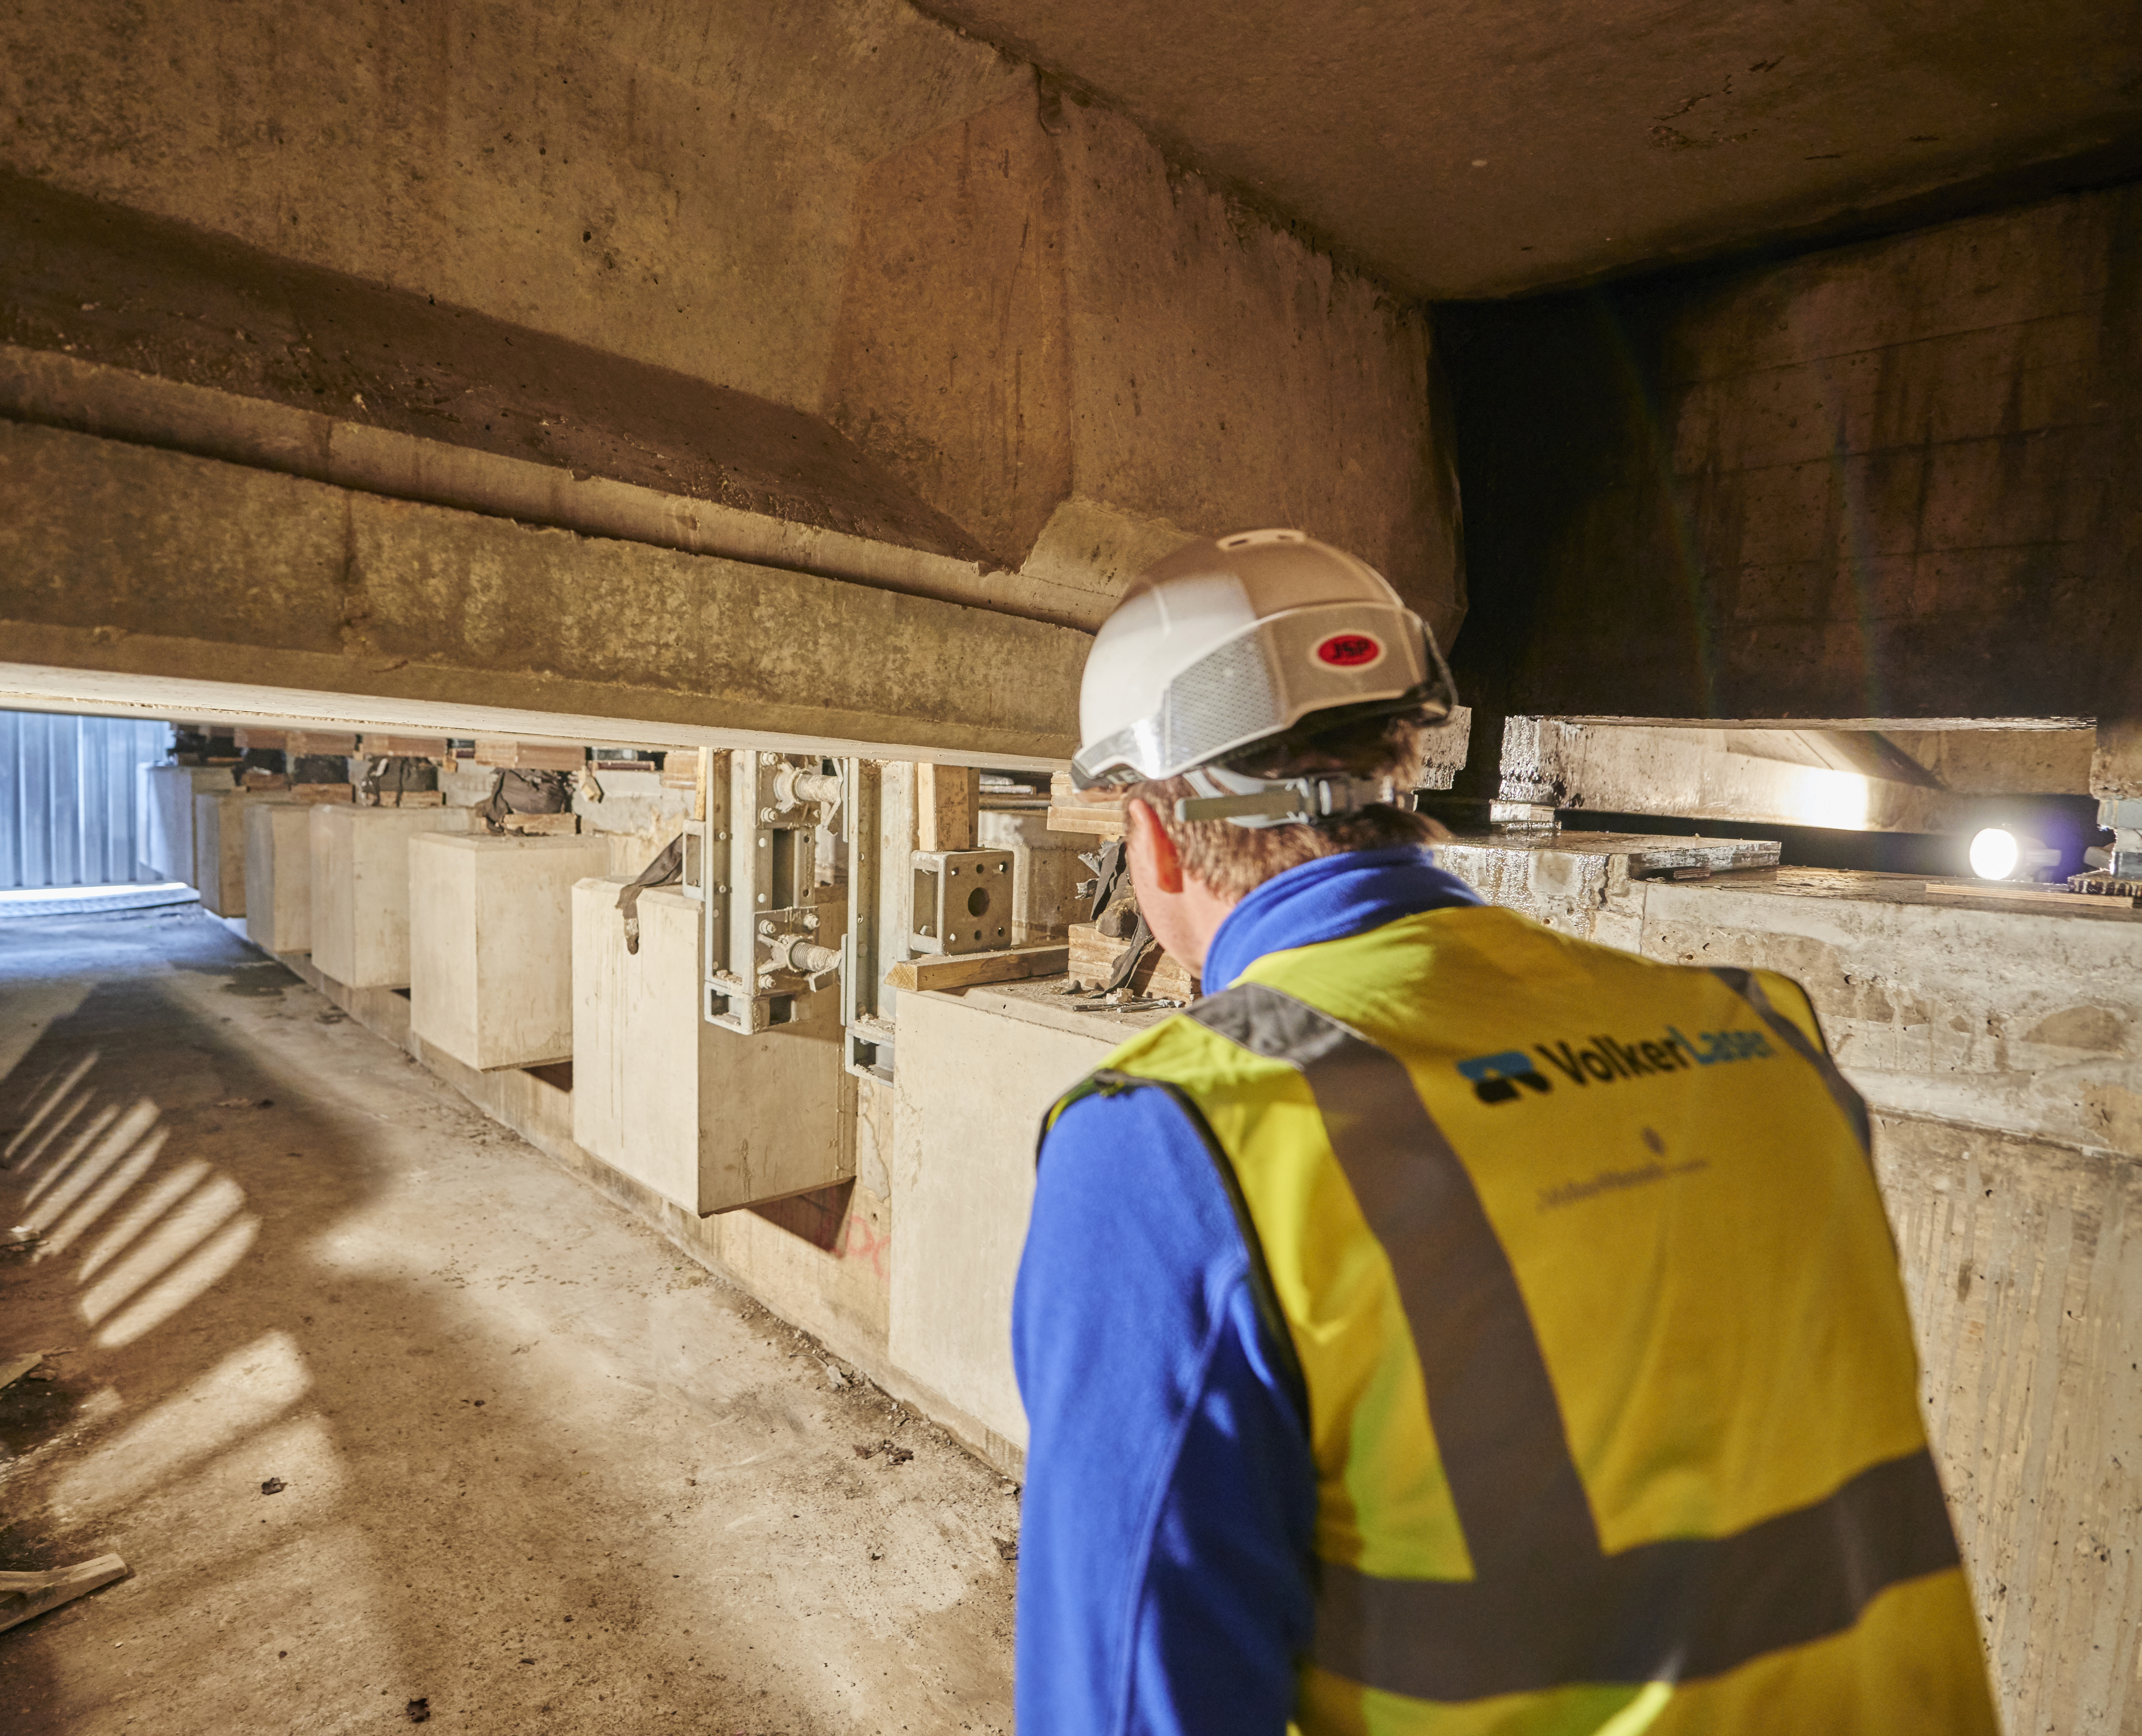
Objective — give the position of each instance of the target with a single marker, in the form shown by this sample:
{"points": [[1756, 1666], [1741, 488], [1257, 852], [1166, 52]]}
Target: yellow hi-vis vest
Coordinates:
{"points": [[1600, 1336]]}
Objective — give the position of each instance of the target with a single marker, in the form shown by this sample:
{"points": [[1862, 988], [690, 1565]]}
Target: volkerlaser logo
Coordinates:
{"points": [[1496, 1078], [1603, 1060]]}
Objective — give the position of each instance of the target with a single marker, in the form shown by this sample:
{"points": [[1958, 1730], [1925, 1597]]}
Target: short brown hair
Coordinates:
{"points": [[1234, 860]]}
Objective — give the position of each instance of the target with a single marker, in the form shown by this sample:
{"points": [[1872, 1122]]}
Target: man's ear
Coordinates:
{"points": [[1153, 860]]}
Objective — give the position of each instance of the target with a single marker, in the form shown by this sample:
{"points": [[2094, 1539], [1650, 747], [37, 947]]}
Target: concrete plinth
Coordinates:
{"points": [[279, 875], [708, 1119], [360, 886], [220, 848], [978, 1069], [167, 804], [490, 945]]}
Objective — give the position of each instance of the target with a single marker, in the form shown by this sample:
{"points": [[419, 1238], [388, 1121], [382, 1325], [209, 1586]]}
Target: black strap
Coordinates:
{"points": [[667, 868]]}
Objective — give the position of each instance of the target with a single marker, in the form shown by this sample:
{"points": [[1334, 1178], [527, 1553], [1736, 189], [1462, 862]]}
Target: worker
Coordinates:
{"points": [[1444, 1325]]}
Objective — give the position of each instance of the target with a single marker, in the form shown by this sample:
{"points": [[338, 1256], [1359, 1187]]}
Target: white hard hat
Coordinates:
{"points": [[1225, 644]]}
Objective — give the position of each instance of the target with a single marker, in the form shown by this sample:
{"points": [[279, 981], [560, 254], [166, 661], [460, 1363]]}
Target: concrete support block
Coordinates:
{"points": [[360, 886], [709, 1119], [220, 848], [279, 875], [490, 945], [167, 803], [2011, 1019], [977, 1071]]}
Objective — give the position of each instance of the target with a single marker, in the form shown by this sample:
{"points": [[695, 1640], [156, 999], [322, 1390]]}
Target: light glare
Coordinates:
{"points": [[1995, 853]]}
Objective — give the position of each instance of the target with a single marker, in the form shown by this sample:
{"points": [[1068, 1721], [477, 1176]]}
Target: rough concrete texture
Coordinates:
{"points": [[2025, 1273], [540, 1469], [2003, 1018], [1473, 152], [1883, 481], [676, 195], [123, 559], [1985, 1012], [1080, 355], [654, 262], [134, 326]]}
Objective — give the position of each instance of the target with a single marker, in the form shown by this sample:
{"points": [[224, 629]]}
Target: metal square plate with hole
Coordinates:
{"points": [[962, 900]]}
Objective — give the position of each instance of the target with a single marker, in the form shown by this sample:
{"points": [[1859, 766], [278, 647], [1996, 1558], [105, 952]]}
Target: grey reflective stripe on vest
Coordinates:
{"points": [[1744, 983], [1547, 1606]]}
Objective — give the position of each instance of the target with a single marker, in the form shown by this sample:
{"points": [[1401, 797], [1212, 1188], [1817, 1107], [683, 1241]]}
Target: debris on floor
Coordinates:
{"points": [[274, 1486], [12, 1369], [420, 1711], [25, 1594]]}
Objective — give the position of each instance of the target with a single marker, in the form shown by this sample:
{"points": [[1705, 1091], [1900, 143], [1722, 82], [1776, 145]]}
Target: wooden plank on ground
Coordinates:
{"points": [[25, 1594], [968, 970]]}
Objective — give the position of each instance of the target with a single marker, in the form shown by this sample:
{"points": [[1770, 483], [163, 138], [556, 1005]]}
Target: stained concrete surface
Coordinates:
{"points": [[541, 1471]]}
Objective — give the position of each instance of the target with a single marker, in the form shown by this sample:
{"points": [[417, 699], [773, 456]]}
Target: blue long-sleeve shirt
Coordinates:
{"points": [[1165, 1550]]}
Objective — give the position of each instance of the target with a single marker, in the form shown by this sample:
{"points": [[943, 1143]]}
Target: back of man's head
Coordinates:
{"points": [[1234, 860]]}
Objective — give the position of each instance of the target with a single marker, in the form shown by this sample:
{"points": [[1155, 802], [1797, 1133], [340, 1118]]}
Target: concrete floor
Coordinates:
{"points": [[541, 1470]]}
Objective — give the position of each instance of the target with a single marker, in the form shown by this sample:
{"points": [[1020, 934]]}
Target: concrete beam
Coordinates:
{"points": [[120, 561], [1847, 780]]}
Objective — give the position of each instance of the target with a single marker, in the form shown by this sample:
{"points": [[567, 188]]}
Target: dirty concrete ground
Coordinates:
{"points": [[538, 1471]]}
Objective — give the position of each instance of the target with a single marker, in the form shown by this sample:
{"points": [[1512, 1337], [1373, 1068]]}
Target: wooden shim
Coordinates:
{"points": [[681, 767], [247, 739], [530, 756], [402, 747], [1098, 822], [320, 793], [947, 801], [2001, 893], [312, 742], [1093, 958], [412, 798], [1070, 811], [25, 1594], [542, 825], [968, 969]]}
